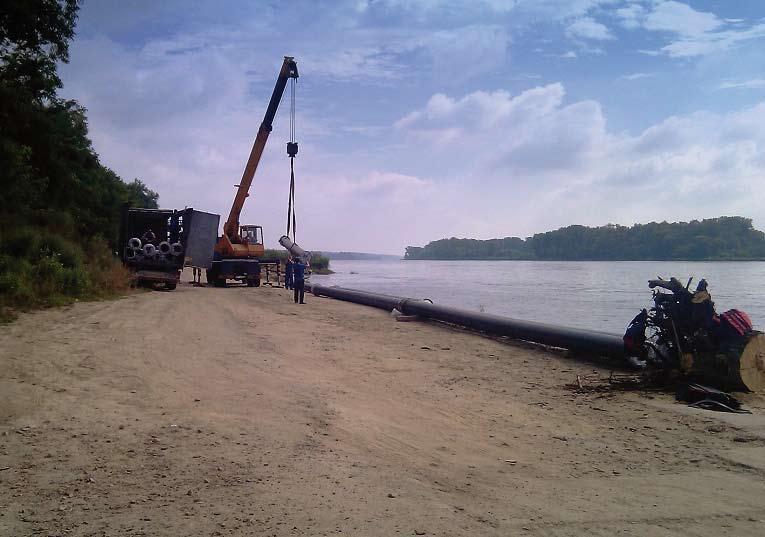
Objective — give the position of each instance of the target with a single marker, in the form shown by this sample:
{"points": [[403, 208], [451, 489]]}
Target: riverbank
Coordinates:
{"points": [[234, 411]]}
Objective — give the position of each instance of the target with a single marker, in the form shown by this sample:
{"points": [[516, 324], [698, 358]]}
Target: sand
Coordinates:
{"points": [[208, 411]]}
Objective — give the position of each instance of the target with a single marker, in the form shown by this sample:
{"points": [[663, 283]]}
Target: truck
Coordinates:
{"points": [[155, 244], [239, 251]]}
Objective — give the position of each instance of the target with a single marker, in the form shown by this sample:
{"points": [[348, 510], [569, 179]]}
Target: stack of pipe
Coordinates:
{"points": [[149, 248]]}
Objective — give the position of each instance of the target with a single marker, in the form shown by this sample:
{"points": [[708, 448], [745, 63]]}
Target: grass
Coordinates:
{"points": [[42, 267]]}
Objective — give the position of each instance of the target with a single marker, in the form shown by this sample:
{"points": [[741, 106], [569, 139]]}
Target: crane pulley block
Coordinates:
{"points": [[292, 149]]}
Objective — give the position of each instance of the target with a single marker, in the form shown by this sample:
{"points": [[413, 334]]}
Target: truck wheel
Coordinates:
{"points": [[170, 286]]}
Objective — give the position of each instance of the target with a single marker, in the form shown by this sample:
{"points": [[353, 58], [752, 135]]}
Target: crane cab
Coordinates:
{"points": [[252, 237]]}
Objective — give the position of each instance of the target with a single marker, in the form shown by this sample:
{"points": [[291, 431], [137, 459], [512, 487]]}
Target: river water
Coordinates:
{"points": [[599, 295]]}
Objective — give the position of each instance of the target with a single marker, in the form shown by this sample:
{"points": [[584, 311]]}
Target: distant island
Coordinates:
{"points": [[728, 238]]}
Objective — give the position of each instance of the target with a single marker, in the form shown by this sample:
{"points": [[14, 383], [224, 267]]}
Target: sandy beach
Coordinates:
{"points": [[233, 411]]}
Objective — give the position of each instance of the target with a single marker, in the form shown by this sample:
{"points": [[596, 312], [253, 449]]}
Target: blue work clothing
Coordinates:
{"points": [[298, 269], [299, 286]]}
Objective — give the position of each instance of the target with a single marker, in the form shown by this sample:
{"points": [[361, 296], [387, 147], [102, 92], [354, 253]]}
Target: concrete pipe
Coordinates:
{"points": [[135, 242], [176, 248], [129, 253], [149, 236], [164, 247], [294, 250], [149, 250]]}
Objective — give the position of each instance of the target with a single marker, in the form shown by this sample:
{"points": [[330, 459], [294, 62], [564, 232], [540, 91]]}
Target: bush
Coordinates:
{"points": [[40, 268], [319, 262]]}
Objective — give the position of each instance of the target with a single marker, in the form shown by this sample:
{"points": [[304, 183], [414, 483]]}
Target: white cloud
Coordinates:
{"points": [[631, 16], [534, 150], [588, 28], [709, 43], [681, 19], [636, 76], [569, 54], [694, 33], [756, 83]]}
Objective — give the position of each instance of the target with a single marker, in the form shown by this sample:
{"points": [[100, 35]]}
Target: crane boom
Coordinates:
{"points": [[231, 228]]}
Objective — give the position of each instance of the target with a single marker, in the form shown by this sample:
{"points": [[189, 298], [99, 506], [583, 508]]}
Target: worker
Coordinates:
{"points": [[289, 273], [298, 269]]}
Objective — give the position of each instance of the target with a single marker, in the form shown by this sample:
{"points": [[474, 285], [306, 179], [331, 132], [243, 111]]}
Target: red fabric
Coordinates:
{"points": [[738, 321]]}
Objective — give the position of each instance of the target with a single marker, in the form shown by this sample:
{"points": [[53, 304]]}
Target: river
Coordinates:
{"points": [[599, 295]]}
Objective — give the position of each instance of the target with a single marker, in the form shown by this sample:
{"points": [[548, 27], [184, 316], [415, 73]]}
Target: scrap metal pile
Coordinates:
{"points": [[683, 332]]}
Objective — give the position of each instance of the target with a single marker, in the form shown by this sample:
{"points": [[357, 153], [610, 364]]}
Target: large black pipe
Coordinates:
{"points": [[589, 341]]}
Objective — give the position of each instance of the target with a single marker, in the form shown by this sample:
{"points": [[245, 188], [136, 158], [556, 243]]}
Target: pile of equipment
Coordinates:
{"points": [[683, 332]]}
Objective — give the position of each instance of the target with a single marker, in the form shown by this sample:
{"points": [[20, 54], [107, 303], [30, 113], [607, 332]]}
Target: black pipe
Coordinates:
{"points": [[590, 341]]}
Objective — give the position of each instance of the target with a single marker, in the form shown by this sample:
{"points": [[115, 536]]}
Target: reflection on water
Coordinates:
{"points": [[601, 295]]}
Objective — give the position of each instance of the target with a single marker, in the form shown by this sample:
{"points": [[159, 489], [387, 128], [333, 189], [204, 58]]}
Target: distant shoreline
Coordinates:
{"points": [[727, 238]]}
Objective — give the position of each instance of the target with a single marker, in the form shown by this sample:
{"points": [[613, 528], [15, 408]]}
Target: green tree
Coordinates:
{"points": [[61, 206], [140, 195]]}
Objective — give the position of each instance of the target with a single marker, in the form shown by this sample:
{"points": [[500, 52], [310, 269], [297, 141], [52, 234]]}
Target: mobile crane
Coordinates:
{"points": [[238, 254]]}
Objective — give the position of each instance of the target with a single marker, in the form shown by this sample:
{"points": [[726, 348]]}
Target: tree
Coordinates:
{"points": [[34, 35], [140, 195], [724, 238]]}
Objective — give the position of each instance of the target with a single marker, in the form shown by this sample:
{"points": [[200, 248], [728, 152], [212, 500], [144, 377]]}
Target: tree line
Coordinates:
{"points": [[723, 238], [60, 205]]}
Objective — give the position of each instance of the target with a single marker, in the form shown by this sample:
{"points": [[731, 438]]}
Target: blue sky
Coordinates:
{"points": [[430, 119]]}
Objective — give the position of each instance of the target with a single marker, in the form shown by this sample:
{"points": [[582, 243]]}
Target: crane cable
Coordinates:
{"points": [[292, 151]]}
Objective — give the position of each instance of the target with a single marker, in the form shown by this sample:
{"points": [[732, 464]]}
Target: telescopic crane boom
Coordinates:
{"points": [[232, 243], [238, 252]]}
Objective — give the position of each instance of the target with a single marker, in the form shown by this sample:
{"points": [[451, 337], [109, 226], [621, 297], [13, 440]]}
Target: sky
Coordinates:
{"points": [[420, 120]]}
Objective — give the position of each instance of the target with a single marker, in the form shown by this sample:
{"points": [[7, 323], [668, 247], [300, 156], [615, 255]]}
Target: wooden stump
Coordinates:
{"points": [[739, 365]]}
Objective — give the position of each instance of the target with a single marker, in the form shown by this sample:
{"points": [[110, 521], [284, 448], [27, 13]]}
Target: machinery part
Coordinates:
{"points": [[176, 248], [135, 242], [589, 341], [164, 247], [294, 250], [149, 250]]}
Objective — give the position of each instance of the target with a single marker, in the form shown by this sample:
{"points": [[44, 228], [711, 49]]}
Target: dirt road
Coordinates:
{"points": [[236, 412]]}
